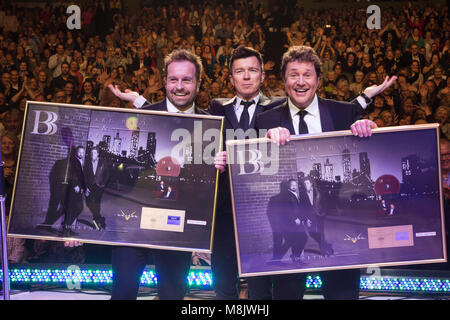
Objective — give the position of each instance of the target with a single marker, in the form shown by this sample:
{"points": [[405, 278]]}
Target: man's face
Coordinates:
{"points": [[181, 84], [272, 82], [437, 73], [247, 77], [215, 89], [60, 50], [6, 78], [359, 76], [301, 83], [14, 76], [80, 153], [60, 96], [308, 185], [42, 76], [65, 68], [408, 106], [202, 99], [12, 123], [68, 88], [293, 186], [94, 155]]}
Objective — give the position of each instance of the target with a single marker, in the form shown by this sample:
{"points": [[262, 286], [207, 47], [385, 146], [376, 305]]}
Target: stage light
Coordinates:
{"points": [[201, 278]]}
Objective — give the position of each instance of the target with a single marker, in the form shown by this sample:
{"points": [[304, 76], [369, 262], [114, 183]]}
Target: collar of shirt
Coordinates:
{"points": [[312, 118], [238, 108], [172, 109]]}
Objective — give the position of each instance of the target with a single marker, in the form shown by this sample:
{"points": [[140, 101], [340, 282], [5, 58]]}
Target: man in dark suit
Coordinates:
{"points": [[294, 219], [247, 76], [314, 211], [274, 207], [73, 205], [182, 83], [304, 112], [96, 175], [292, 286], [58, 189], [170, 194]]}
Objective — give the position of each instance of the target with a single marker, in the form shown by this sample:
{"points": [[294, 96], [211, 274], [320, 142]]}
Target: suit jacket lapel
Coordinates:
{"points": [[326, 120], [228, 109], [285, 118], [260, 107]]}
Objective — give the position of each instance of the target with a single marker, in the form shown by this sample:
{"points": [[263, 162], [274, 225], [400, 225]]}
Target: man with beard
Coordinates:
{"points": [[182, 83]]}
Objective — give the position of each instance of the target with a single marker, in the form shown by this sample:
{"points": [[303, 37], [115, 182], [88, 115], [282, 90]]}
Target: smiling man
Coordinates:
{"points": [[304, 112], [182, 83]]}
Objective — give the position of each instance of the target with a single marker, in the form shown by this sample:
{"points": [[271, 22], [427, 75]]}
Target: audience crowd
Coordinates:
{"points": [[42, 60]]}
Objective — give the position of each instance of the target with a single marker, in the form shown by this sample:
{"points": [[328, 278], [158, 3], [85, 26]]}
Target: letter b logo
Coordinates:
{"points": [[49, 123], [254, 160]]}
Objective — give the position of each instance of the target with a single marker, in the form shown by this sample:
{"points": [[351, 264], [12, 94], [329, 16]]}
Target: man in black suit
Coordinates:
{"points": [[182, 83], [304, 112], [292, 286], [58, 188], [247, 76], [274, 207], [294, 220], [96, 175], [314, 210], [170, 194], [76, 186]]}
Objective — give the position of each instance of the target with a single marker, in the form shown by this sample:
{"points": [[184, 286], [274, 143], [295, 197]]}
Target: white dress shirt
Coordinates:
{"points": [[239, 108], [312, 117], [139, 102]]}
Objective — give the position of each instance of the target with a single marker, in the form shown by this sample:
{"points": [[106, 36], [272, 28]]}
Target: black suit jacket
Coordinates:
{"points": [[334, 116], [101, 176], [225, 108]]}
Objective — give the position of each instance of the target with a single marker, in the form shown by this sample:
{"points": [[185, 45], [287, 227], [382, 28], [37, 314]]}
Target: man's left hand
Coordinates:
{"points": [[363, 128], [372, 91]]}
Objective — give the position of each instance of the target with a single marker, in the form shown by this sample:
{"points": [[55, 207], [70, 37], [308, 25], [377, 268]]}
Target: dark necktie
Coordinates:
{"points": [[302, 127], [244, 122]]}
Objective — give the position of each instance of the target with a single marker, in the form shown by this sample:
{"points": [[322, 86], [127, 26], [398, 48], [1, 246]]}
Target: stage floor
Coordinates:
{"points": [[201, 295]]}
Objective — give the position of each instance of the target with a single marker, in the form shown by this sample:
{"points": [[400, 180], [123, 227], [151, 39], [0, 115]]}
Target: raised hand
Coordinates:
{"points": [[128, 95], [372, 91]]}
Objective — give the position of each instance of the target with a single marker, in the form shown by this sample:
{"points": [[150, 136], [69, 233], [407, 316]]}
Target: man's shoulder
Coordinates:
{"points": [[216, 106], [278, 108], [157, 106], [221, 101], [272, 102], [201, 111]]}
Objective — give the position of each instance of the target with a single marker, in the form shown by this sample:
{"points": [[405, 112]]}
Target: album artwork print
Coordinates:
{"points": [[116, 176], [335, 201]]}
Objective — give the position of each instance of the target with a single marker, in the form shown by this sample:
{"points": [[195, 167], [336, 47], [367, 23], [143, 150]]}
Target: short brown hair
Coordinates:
{"points": [[242, 52], [301, 54], [184, 55]]}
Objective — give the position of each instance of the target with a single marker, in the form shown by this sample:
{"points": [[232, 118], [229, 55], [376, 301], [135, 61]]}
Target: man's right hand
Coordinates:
{"points": [[128, 95], [220, 161]]}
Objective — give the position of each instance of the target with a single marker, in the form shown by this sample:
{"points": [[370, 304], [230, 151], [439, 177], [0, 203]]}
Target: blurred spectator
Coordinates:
{"points": [[272, 86]]}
